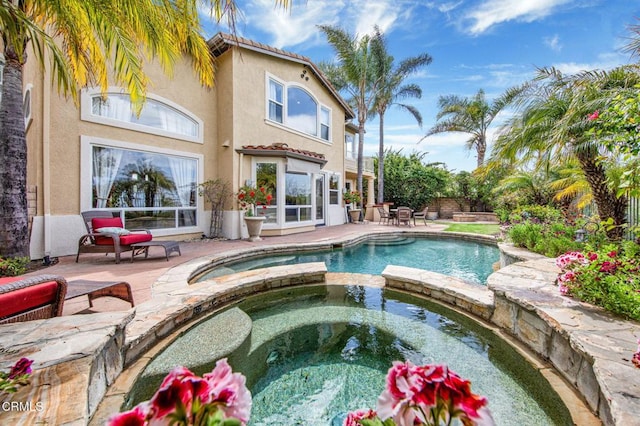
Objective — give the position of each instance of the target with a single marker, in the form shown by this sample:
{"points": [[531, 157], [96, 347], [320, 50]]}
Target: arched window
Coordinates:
{"points": [[158, 116], [302, 111], [294, 107]]}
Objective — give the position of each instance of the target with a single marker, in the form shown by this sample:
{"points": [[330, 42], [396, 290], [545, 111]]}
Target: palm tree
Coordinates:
{"points": [[356, 72], [553, 125], [392, 90], [469, 115], [86, 43]]}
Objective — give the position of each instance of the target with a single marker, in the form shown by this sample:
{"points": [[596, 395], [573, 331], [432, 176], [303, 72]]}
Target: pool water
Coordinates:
{"points": [[315, 357], [469, 261], [317, 352]]}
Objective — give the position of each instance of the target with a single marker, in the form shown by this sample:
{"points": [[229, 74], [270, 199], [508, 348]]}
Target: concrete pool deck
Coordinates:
{"points": [[79, 358]]}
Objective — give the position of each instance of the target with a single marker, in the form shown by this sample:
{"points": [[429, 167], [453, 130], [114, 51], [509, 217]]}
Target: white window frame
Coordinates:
{"points": [[86, 182], [86, 114], [285, 113], [337, 191], [275, 101]]}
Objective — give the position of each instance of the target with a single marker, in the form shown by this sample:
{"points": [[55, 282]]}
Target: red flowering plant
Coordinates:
{"points": [[424, 395], [17, 376], [608, 277], [219, 398], [249, 198]]}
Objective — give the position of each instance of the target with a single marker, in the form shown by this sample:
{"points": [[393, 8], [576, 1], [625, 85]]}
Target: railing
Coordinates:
{"points": [[351, 164]]}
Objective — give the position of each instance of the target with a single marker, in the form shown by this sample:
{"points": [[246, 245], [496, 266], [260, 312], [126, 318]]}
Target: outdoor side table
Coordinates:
{"points": [[96, 289], [169, 247]]}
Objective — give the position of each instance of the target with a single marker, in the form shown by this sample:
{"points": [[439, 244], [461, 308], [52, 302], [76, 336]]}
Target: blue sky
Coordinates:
{"points": [[475, 44]]}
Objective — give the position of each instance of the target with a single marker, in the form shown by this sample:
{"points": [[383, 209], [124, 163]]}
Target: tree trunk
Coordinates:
{"points": [[608, 204], [361, 123], [14, 234], [381, 161], [481, 150]]}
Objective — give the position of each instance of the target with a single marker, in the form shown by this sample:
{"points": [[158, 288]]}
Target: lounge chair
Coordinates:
{"points": [[106, 234], [404, 216], [422, 214], [384, 215], [31, 298]]}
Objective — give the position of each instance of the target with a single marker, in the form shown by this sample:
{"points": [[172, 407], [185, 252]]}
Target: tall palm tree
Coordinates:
{"points": [[392, 90], [357, 72], [552, 126], [86, 43], [469, 115]]}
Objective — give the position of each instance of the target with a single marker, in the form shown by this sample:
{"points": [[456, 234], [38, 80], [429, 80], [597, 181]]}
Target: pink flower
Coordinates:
{"points": [[229, 390], [395, 401], [612, 254], [22, 367], [566, 260], [353, 418], [564, 290], [636, 357], [566, 277], [593, 116], [592, 256], [174, 390], [135, 417], [429, 394], [608, 267]]}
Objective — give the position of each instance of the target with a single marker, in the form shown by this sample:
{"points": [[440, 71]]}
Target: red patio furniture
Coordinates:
{"points": [[106, 234], [31, 298]]}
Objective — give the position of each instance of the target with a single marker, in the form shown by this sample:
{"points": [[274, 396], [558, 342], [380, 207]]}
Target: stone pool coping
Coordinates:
{"points": [[589, 348]]}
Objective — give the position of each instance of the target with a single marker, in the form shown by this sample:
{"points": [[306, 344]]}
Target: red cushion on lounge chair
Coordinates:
{"points": [[116, 222], [135, 238], [26, 298]]}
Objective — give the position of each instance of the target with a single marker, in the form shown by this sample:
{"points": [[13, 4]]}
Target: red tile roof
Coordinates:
{"points": [[221, 42], [282, 149]]}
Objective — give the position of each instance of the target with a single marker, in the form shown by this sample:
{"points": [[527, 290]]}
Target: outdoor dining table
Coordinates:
{"points": [[393, 215]]}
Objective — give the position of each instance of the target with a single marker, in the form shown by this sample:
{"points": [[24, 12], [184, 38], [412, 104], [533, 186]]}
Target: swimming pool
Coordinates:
{"points": [[467, 260], [315, 353]]}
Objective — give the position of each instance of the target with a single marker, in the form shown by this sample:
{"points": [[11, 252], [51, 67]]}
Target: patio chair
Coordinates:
{"points": [[31, 298], [422, 214], [404, 216], [106, 234], [384, 215]]}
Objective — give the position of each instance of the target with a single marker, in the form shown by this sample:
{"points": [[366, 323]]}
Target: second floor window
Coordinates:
{"points": [[294, 107]]}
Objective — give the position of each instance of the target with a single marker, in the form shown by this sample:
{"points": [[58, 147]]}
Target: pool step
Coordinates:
{"points": [[390, 240]]}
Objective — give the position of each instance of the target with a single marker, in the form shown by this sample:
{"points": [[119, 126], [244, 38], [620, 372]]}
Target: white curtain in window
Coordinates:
{"points": [[184, 177], [106, 162]]}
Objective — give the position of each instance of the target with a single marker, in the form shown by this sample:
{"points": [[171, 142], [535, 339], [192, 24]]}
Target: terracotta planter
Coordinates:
{"points": [[254, 226], [355, 215]]}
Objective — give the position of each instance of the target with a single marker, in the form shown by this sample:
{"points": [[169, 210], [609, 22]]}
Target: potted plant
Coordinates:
{"points": [[249, 199], [353, 198]]}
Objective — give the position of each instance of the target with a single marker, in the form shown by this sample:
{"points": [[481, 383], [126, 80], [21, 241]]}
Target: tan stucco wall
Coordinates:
{"points": [[67, 127], [233, 114], [249, 106]]}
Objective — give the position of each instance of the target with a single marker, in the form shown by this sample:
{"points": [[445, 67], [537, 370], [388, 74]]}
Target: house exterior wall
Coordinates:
{"points": [[247, 99], [233, 113], [60, 135]]}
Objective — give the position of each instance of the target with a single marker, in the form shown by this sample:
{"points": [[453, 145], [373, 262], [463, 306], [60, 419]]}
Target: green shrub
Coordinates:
{"points": [[543, 214], [609, 277], [12, 267], [547, 239]]}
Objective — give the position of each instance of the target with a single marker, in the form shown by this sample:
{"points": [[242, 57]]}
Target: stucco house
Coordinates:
{"points": [[272, 118]]}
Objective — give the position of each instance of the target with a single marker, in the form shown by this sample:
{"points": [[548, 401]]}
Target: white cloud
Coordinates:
{"points": [[553, 43], [448, 7], [290, 27], [298, 25], [492, 12], [604, 62]]}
